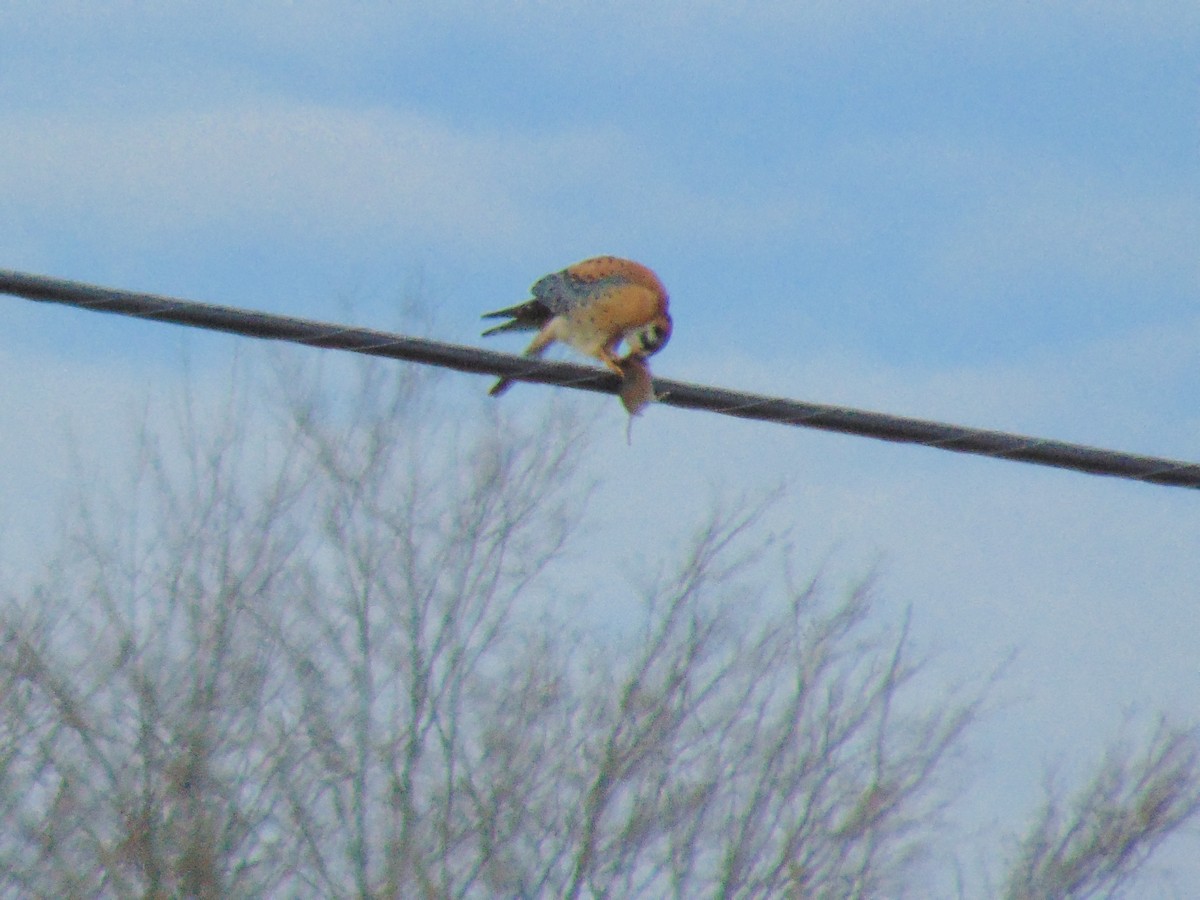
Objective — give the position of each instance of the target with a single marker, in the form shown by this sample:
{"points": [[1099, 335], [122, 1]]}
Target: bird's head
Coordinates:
{"points": [[651, 337]]}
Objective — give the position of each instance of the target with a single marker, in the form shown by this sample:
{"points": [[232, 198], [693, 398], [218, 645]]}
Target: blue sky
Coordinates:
{"points": [[983, 213]]}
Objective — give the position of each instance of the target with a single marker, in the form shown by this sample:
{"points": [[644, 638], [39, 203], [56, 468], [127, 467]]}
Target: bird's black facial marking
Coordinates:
{"points": [[650, 339]]}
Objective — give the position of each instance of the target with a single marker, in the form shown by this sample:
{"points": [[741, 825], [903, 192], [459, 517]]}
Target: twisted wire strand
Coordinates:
{"points": [[901, 429]]}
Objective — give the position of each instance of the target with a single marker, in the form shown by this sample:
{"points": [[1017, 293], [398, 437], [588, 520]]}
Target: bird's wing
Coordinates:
{"points": [[569, 289]]}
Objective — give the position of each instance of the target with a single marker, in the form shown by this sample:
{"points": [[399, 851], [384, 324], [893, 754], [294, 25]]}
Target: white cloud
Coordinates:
{"points": [[305, 170], [1000, 210], [1099, 233], [359, 176]]}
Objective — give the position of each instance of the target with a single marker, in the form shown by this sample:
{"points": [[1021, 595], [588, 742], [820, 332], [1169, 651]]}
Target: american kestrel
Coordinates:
{"points": [[592, 306]]}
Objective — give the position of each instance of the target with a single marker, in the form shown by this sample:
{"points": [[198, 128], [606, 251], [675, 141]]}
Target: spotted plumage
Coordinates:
{"points": [[592, 306]]}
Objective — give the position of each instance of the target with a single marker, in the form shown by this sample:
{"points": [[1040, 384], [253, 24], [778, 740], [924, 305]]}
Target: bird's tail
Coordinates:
{"points": [[528, 316], [514, 325]]}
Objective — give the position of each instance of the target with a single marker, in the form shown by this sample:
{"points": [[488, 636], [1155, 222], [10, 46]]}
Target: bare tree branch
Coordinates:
{"points": [[316, 652], [1100, 840]]}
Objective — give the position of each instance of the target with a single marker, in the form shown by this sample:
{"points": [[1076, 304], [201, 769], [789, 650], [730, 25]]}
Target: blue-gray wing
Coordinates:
{"points": [[562, 291]]}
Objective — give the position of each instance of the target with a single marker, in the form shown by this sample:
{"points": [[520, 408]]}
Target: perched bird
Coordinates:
{"points": [[592, 306]]}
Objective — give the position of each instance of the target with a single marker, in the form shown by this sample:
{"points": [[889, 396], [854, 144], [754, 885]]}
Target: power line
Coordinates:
{"points": [[250, 323]]}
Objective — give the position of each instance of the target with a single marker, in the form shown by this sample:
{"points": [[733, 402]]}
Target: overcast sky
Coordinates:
{"points": [[986, 213]]}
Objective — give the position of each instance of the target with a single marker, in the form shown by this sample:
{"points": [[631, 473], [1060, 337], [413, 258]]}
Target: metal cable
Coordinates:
{"points": [[1093, 460]]}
